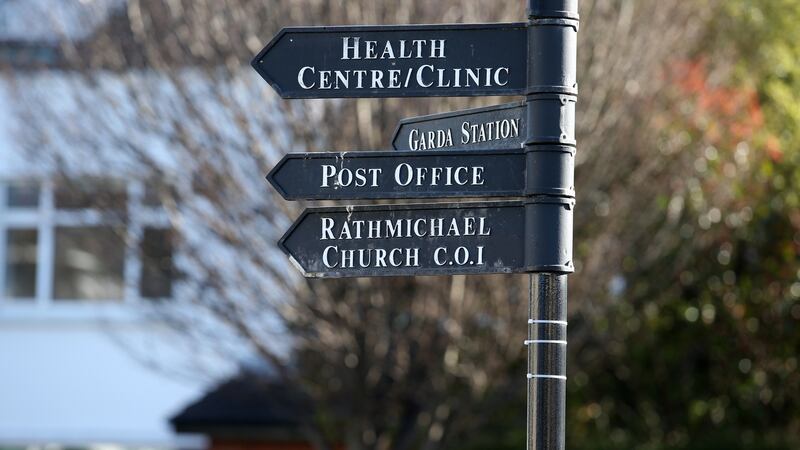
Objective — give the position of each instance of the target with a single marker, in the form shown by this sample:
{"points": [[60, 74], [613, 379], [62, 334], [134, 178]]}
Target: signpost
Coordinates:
{"points": [[496, 127], [524, 150], [396, 61], [553, 36]]}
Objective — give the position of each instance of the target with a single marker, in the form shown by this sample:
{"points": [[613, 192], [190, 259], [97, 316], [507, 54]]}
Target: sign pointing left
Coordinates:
{"points": [[498, 127], [431, 239], [396, 61], [384, 175]]}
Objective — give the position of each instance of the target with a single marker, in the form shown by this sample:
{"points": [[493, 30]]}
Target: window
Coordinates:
{"points": [[45, 55], [77, 241], [157, 271], [23, 195], [20, 273], [153, 190], [94, 193], [89, 263]]}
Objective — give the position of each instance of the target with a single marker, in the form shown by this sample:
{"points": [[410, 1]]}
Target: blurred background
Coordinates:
{"points": [[144, 304]]}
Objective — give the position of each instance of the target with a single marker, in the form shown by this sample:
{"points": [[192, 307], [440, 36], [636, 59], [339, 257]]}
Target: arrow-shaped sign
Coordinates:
{"points": [[396, 61], [500, 127], [375, 175], [443, 174], [433, 239]]}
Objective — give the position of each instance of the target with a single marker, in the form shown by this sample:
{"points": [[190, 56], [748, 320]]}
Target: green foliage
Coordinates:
{"points": [[701, 349], [769, 38]]}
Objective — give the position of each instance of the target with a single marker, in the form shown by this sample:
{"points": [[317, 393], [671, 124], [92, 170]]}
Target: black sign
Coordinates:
{"points": [[396, 61], [376, 175], [434, 239], [497, 127]]}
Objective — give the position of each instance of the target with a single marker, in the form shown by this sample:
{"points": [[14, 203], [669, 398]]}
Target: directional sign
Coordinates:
{"points": [[498, 127], [434, 239], [396, 61], [375, 175]]}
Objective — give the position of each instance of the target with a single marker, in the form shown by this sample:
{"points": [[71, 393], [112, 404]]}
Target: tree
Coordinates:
{"points": [[162, 92], [698, 351]]}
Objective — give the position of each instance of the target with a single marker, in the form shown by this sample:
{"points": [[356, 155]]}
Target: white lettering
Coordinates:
{"points": [[403, 174], [437, 48], [477, 176], [461, 256], [328, 172], [420, 81], [497, 76], [480, 261], [482, 229], [327, 226], [388, 52], [347, 48], [412, 257], [370, 50], [326, 259], [412, 139], [301, 78], [436, 259]]}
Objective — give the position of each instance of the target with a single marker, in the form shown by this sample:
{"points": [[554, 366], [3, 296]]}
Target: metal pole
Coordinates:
{"points": [[547, 361], [551, 94]]}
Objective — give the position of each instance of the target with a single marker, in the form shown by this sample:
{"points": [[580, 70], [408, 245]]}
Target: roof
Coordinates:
{"points": [[246, 406]]}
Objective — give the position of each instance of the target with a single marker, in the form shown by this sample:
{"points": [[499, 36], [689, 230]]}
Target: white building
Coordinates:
{"points": [[72, 282], [69, 328]]}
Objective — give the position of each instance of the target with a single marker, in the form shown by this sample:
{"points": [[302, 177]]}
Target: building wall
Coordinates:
{"points": [[85, 368], [69, 380], [74, 371]]}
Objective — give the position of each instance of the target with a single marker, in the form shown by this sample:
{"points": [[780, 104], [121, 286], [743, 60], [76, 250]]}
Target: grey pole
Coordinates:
{"points": [[551, 92]]}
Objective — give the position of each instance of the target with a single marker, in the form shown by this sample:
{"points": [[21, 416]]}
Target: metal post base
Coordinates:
{"points": [[547, 361]]}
